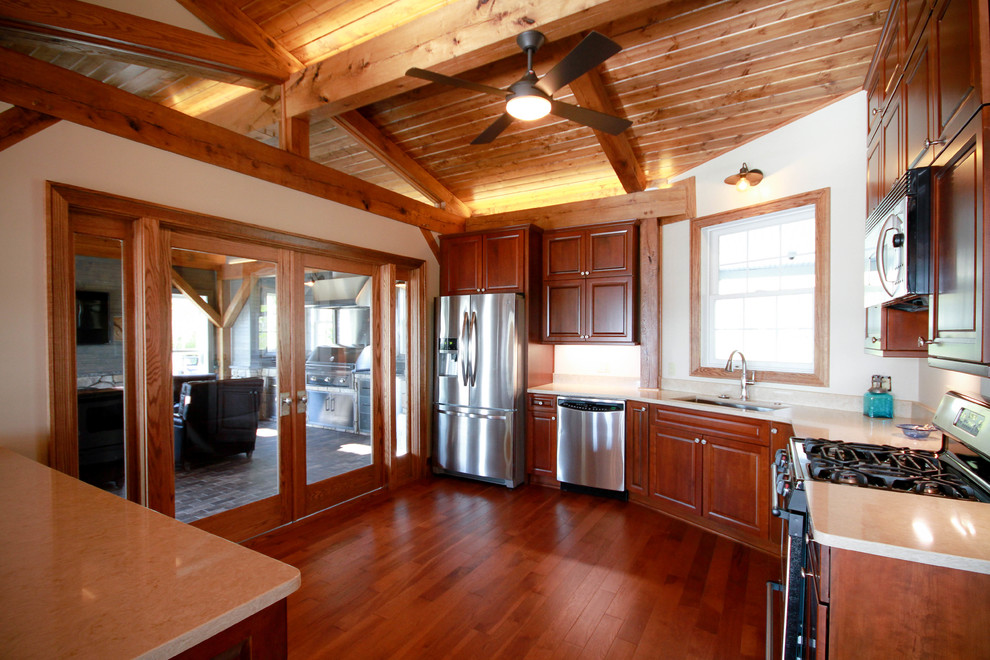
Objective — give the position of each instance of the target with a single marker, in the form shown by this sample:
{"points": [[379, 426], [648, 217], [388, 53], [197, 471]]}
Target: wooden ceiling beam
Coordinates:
{"points": [[27, 82], [228, 20], [458, 37], [126, 34], [388, 152], [666, 202], [18, 124], [589, 90]]}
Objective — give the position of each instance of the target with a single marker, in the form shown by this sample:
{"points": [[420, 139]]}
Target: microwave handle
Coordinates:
{"points": [[884, 231]]}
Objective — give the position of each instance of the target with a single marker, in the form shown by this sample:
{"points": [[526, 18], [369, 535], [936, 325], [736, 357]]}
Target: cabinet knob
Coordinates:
{"points": [[922, 342], [875, 111], [697, 440], [773, 430], [704, 442], [932, 143], [874, 339], [553, 419]]}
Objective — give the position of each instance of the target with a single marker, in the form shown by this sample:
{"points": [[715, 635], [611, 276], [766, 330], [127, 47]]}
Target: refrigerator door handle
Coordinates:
{"points": [[462, 353], [474, 348]]}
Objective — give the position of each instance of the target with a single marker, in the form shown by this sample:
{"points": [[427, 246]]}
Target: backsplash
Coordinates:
{"points": [[599, 361]]}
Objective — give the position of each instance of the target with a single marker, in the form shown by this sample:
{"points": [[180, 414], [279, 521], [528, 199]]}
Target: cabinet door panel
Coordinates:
{"points": [[957, 314], [563, 254], [874, 172], [543, 443], [917, 115], [734, 475], [610, 309], [504, 268], [611, 251], [675, 470], [956, 83], [461, 259], [893, 145], [637, 447], [563, 304]]}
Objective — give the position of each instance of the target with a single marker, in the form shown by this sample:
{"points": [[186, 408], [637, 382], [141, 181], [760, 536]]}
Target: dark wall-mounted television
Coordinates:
{"points": [[93, 317]]}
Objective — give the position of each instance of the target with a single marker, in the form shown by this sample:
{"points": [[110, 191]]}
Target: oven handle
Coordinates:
{"points": [[771, 587]]}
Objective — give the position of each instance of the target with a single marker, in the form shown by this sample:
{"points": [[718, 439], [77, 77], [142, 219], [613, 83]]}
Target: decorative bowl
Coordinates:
{"points": [[916, 431]]}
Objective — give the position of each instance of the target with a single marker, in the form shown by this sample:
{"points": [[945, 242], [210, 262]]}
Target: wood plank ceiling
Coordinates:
{"points": [[696, 79]]}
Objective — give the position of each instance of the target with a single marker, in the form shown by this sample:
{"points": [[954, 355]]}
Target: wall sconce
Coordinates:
{"points": [[745, 178]]}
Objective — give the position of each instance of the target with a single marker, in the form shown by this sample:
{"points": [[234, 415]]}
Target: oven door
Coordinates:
{"points": [[791, 507]]}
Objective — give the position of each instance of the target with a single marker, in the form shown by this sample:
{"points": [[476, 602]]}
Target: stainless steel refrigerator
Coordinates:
{"points": [[478, 410]]}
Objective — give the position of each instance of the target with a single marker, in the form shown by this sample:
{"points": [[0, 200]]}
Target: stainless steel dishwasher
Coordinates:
{"points": [[591, 443]]}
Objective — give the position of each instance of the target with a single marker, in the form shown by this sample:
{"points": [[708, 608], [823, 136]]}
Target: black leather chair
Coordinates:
{"points": [[216, 418], [179, 381]]}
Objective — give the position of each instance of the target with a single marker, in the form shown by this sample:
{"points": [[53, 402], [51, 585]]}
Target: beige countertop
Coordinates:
{"points": [[86, 574], [930, 530]]}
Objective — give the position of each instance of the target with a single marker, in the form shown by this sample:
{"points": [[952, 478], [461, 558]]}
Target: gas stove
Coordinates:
{"points": [[958, 471], [884, 467]]}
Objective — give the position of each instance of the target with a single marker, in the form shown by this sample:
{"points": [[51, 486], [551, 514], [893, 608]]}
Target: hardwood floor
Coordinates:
{"points": [[461, 569]]}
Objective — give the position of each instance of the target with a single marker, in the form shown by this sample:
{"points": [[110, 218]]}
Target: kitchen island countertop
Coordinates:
{"points": [[920, 528], [86, 574]]}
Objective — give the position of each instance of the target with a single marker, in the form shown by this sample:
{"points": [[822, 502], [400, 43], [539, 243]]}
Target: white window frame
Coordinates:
{"points": [[704, 270]]}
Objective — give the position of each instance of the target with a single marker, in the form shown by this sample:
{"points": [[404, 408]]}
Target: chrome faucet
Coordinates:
{"points": [[743, 381]]}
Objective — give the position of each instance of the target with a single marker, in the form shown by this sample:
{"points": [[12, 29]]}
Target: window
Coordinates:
{"points": [[759, 285]]}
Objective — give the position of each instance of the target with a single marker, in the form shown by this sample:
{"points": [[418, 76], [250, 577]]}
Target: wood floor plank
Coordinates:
{"points": [[449, 568]]}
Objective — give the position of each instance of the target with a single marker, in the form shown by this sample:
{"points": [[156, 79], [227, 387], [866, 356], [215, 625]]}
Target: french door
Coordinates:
{"points": [[264, 377], [270, 347]]}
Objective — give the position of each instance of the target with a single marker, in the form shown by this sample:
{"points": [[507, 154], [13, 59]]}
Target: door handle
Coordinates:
{"points": [[302, 398], [284, 404], [474, 348]]}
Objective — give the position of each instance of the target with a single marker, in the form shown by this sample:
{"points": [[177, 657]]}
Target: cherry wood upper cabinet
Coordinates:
{"points": [[607, 250], [589, 284], [959, 309], [493, 262]]}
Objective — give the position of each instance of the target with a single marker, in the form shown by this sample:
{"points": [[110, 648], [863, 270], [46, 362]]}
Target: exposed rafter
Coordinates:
{"points": [[589, 90], [226, 19], [139, 39], [26, 81], [462, 35], [372, 139], [17, 124]]}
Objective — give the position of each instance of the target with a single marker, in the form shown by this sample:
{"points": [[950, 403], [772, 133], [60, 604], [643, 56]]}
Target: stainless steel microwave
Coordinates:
{"points": [[898, 241]]}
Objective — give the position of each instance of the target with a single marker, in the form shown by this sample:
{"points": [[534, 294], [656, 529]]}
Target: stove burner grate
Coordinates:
{"points": [[884, 467]]}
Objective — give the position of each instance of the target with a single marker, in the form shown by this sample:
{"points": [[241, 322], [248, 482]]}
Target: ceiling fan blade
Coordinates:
{"points": [[592, 118], [494, 129], [454, 82], [592, 51]]}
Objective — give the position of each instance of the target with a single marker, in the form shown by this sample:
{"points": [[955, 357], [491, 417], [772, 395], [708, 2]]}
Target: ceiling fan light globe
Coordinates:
{"points": [[528, 107]]}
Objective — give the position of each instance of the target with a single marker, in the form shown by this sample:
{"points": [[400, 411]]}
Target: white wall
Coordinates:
{"points": [[824, 149], [66, 153]]}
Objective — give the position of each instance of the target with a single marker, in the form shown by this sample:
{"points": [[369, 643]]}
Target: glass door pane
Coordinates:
{"points": [[225, 380], [100, 360], [338, 349], [401, 368]]}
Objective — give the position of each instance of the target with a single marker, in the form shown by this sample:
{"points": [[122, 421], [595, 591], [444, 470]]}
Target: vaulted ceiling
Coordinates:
{"points": [[325, 79]]}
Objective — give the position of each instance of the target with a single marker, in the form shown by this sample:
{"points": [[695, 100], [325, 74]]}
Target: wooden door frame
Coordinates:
{"points": [[152, 226]]}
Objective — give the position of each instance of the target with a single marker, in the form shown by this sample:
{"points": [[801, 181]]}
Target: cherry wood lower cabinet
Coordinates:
{"points": [[712, 470], [541, 439], [877, 607]]}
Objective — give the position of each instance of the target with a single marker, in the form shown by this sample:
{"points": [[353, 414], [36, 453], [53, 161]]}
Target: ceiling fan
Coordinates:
{"points": [[532, 98]]}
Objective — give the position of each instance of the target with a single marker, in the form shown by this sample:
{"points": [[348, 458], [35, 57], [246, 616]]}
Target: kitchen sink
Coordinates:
{"points": [[754, 406]]}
